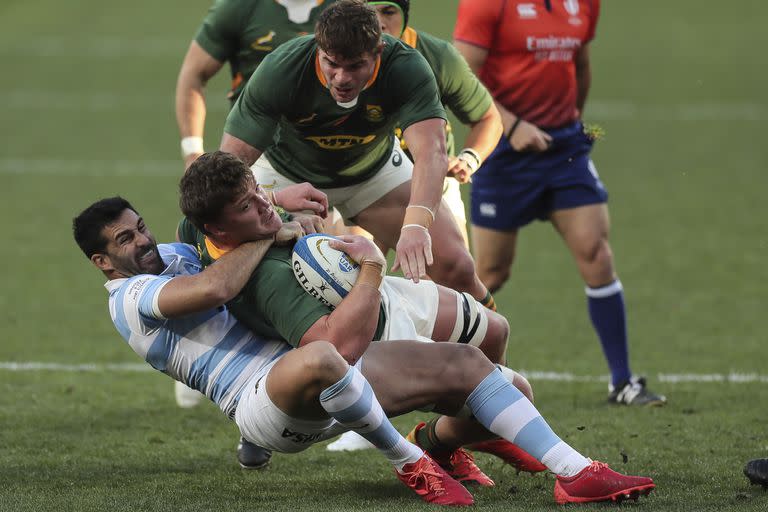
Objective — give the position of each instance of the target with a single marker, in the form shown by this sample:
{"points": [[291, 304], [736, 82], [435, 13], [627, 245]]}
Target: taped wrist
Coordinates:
{"points": [[371, 274], [416, 214]]}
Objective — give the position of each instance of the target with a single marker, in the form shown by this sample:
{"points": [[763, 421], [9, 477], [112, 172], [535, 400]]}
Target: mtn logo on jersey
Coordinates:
{"points": [[374, 113], [259, 43], [334, 142], [526, 11]]}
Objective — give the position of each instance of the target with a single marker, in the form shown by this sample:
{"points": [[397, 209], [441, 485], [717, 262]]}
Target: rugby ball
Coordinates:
{"points": [[325, 273]]}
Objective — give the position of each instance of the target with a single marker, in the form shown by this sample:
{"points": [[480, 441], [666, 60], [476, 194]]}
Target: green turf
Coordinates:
{"points": [[86, 110]]}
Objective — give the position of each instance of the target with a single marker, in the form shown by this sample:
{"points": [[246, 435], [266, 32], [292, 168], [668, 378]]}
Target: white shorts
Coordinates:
{"points": [[353, 199], [261, 422], [452, 197], [411, 309]]}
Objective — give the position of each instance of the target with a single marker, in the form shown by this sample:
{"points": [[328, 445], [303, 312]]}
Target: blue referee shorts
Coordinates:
{"points": [[512, 189]]}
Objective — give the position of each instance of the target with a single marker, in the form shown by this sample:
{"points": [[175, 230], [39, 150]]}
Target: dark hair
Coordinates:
{"points": [[212, 182], [348, 29], [88, 226], [403, 5]]}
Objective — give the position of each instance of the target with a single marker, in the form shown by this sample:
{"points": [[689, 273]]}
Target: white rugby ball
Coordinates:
{"points": [[325, 273]]}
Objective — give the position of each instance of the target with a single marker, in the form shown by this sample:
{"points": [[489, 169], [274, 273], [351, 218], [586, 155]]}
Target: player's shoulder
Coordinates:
{"points": [[437, 51]]}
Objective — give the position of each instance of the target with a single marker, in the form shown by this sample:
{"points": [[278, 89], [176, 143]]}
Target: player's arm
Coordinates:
{"points": [[214, 286], [426, 142], [522, 135], [198, 67], [583, 77], [469, 100], [482, 137], [351, 326]]}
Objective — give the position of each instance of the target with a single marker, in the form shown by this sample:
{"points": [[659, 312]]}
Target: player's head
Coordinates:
{"points": [[114, 237], [348, 36], [393, 15], [219, 195]]}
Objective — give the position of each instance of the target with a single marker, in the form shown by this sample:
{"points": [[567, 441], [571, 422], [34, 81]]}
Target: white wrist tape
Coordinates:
{"points": [[191, 146], [471, 157]]}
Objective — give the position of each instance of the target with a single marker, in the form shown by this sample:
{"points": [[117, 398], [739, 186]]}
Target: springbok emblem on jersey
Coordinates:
{"points": [[259, 43]]}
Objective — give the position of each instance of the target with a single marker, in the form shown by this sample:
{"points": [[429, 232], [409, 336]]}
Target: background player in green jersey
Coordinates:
{"points": [[460, 91], [322, 109], [241, 32]]}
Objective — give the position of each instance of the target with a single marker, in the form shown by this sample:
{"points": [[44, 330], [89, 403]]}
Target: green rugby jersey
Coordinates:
{"points": [[243, 32], [272, 304], [287, 110], [460, 90]]}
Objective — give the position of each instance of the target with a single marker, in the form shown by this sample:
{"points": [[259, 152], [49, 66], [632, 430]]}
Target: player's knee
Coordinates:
{"points": [[322, 362], [495, 343], [456, 270], [466, 363]]}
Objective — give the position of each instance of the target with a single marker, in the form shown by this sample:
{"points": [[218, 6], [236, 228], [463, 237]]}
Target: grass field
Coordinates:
{"points": [[86, 111]]}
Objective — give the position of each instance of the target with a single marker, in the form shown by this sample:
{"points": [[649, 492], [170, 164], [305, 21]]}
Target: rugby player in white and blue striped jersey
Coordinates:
{"points": [[173, 315]]}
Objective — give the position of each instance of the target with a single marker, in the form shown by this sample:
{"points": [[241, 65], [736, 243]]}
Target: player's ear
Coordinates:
{"points": [[214, 230], [102, 261]]}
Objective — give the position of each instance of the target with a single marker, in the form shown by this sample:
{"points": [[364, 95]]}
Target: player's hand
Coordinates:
{"points": [[311, 223], [189, 159], [303, 196], [289, 233], [414, 252], [359, 249], [460, 170], [528, 137]]}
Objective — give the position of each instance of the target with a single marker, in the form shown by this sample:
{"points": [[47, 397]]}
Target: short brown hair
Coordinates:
{"points": [[212, 182], [348, 29]]}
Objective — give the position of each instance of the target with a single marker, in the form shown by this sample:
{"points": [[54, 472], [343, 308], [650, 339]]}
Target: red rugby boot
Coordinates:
{"points": [[458, 463], [432, 484], [598, 482]]}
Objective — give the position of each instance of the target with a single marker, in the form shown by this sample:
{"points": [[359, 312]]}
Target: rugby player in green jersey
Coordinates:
{"points": [[226, 207], [241, 32], [323, 109]]}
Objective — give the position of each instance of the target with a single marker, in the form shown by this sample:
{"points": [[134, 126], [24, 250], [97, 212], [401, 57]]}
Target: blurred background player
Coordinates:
{"points": [[468, 99], [534, 58], [241, 32]]}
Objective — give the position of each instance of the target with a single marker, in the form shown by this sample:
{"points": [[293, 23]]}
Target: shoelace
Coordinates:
{"points": [[461, 459], [431, 478], [597, 465]]}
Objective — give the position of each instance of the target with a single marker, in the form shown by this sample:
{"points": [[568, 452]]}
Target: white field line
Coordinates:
{"points": [[673, 378], [599, 110]]}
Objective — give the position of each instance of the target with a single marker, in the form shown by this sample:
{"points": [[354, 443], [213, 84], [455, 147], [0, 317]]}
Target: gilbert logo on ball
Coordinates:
{"points": [[325, 273]]}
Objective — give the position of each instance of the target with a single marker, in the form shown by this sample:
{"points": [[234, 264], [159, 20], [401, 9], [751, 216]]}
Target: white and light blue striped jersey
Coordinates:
{"points": [[210, 351]]}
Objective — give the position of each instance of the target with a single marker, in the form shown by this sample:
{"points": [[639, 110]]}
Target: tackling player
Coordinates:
{"points": [[323, 109], [172, 314], [534, 58]]}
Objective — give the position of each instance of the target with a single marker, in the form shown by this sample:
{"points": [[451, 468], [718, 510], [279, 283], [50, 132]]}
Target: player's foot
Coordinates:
{"points": [[757, 472], [511, 454], [598, 482], [433, 484], [635, 392], [458, 463], [186, 397], [251, 456], [349, 441]]}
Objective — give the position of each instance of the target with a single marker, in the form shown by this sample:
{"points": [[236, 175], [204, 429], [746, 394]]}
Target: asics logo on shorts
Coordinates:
{"points": [[300, 437]]}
